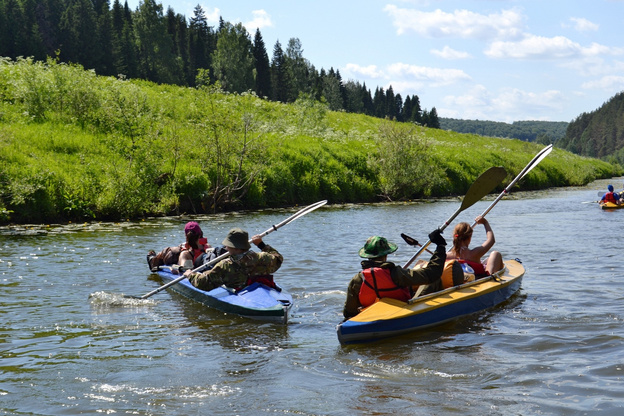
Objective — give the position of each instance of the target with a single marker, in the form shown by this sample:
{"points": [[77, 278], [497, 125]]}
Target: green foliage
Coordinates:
{"points": [[403, 162], [543, 132], [599, 133], [76, 146], [233, 61]]}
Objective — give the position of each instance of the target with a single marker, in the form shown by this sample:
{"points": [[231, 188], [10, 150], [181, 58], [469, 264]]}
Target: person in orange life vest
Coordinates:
{"points": [[462, 235], [610, 196], [380, 278], [195, 247]]}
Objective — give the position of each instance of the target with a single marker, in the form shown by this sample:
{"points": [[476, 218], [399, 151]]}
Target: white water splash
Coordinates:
{"points": [[104, 299]]}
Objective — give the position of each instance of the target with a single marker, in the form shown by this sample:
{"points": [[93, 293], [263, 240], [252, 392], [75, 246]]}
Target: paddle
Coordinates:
{"points": [[413, 242], [288, 220], [534, 162], [484, 184]]}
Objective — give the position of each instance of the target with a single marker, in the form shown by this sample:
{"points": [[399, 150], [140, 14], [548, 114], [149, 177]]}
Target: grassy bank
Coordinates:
{"points": [[76, 146]]}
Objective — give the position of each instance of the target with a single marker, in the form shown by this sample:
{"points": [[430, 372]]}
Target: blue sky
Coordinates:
{"points": [[497, 60]]}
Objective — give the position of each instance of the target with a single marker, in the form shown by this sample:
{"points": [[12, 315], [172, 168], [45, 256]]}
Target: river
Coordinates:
{"points": [[554, 348]]}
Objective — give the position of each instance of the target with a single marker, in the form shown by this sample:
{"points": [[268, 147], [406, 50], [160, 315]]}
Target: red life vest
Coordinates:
{"points": [[609, 197], [377, 284]]}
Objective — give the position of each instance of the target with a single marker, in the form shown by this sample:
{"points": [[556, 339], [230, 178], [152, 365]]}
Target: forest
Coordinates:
{"points": [[599, 133], [543, 132], [167, 48]]}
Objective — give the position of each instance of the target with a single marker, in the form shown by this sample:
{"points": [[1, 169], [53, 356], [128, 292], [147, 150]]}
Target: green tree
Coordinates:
{"points": [[280, 77], [299, 70], [157, 62], [263, 66], [233, 61], [178, 30], [33, 43], [332, 91], [14, 30], [79, 34]]}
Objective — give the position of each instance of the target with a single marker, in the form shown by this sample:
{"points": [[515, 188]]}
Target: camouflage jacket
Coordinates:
{"points": [[401, 277], [235, 270]]}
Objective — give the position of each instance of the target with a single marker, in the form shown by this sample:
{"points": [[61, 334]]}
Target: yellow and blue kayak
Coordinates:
{"points": [[391, 317], [611, 205]]}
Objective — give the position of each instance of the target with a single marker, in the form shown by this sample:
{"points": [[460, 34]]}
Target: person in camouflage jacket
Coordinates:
{"points": [[242, 264]]}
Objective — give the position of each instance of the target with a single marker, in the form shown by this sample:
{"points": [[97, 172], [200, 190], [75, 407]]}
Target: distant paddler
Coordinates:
{"points": [[610, 196]]}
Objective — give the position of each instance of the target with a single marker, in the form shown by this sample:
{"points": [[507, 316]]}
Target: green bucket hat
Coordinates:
{"points": [[376, 247], [237, 238]]}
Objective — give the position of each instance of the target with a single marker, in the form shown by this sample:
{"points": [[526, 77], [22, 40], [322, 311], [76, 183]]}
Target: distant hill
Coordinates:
{"points": [[544, 132], [600, 133]]}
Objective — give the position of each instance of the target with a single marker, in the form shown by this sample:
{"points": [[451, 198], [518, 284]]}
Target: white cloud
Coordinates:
{"points": [[212, 15], [370, 71], [539, 47], [608, 83], [449, 53], [583, 25], [261, 19], [461, 23], [506, 105], [434, 77]]}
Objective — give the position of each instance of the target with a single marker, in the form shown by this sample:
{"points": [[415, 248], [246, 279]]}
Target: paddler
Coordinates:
{"points": [[380, 278], [243, 267], [610, 196], [461, 251]]}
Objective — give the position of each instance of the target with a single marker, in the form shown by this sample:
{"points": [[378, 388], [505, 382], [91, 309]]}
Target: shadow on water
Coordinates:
{"points": [[228, 330]]}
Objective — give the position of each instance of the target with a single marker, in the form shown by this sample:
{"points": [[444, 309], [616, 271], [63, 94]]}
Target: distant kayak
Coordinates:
{"points": [[255, 301], [611, 205], [391, 317]]}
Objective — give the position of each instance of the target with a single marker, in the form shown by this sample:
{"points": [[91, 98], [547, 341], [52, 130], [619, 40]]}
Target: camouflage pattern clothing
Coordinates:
{"points": [[235, 270], [401, 277]]}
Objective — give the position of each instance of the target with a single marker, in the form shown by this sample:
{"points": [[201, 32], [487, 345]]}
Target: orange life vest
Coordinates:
{"points": [[378, 284]]}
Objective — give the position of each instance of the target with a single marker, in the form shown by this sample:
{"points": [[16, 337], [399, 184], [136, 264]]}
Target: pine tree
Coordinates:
{"points": [[14, 30], [279, 74], [298, 70], [79, 34], [434, 121], [263, 67], [202, 43], [104, 64], [156, 58]]}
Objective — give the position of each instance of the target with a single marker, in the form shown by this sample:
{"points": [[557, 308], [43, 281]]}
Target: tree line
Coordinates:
{"points": [[167, 48], [599, 133], [543, 132]]}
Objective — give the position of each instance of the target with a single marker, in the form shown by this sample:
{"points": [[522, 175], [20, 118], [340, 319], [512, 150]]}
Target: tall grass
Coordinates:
{"points": [[74, 145]]}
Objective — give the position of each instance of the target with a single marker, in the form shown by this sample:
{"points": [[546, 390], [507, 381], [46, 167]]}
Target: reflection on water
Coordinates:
{"points": [[70, 339]]}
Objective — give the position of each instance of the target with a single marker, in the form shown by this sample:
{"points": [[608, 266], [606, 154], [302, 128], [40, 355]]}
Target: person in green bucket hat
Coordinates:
{"points": [[243, 267], [380, 278]]}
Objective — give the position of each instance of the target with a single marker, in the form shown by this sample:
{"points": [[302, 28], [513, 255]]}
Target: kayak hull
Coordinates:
{"points": [[611, 205], [391, 317], [256, 301]]}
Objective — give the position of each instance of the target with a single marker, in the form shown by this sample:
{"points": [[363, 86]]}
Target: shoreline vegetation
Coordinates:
{"points": [[80, 147]]}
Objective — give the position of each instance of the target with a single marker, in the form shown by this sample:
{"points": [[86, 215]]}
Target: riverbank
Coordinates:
{"points": [[76, 147]]}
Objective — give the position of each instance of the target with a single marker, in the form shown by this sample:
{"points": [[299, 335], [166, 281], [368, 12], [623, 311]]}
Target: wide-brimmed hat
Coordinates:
{"points": [[237, 238], [193, 226], [376, 247]]}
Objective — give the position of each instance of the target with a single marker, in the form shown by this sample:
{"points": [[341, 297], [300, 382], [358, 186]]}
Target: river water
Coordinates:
{"points": [[556, 347]]}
